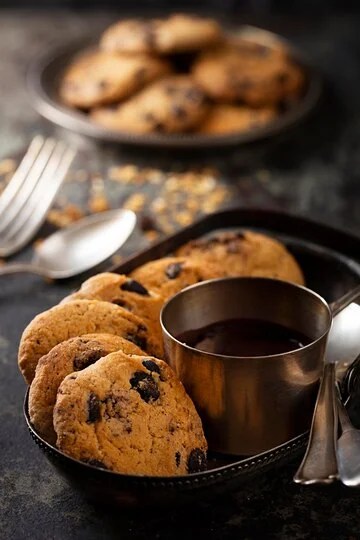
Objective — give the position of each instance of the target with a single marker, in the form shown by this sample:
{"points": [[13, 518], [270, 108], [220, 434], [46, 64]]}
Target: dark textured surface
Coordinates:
{"points": [[314, 172]]}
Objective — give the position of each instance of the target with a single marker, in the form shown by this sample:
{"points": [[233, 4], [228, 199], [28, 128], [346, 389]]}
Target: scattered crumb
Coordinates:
{"points": [[184, 218], [159, 205], [7, 166], [135, 202], [98, 203], [165, 201], [124, 173], [65, 216]]}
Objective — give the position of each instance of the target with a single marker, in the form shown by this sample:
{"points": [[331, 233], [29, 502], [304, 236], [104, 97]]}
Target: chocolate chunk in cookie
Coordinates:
{"points": [[151, 366], [173, 270], [93, 409], [134, 286], [197, 461], [146, 386]]}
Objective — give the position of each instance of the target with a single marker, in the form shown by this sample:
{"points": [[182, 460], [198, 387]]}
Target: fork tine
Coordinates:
{"points": [[44, 195], [29, 184], [42, 191], [21, 172]]}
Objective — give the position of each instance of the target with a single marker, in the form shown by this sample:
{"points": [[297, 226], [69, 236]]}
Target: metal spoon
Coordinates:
{"points": [[348, 449], [80, 246], [319, 465]]}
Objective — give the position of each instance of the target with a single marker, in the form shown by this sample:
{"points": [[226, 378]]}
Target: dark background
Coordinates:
{"points": [[314, 172], [216, 6]]}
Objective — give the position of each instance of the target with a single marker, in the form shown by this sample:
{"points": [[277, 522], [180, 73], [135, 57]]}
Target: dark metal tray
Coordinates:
{"points": [[331, 262], [45, 73]]}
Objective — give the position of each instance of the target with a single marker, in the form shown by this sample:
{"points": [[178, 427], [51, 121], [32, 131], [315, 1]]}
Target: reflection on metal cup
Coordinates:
{"points": [[248, 404]]}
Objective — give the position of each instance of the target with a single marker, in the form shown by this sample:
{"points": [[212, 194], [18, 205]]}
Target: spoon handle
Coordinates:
{"points": [[348, 449], [319, 464], [345, 300], [14, 268]]}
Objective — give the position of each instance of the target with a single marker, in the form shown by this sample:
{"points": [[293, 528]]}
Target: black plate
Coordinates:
{"points": [[44, 76], [331, 262]]}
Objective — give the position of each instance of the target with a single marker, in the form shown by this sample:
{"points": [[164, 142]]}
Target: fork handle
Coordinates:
{"points": [[319, 465], [15, 268]]}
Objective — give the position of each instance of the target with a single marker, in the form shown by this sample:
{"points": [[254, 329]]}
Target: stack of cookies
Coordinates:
{"points": [[180, 74], [99, 390]]}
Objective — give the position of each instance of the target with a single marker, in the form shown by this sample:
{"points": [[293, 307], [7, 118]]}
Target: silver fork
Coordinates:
{"points": [[31, 191]]}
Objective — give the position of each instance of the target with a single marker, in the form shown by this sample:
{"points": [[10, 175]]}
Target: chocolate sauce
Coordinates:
{"points": [[244, 337]]}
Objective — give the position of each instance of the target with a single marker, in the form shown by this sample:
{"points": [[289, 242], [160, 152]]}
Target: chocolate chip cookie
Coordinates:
{"points": [[251, 73], [130, 414], [176, 33], [76, 319], [169, 275], [172, 105], [72, 355], [225, 118], [125, 292], [244, 254], [99, 77]]}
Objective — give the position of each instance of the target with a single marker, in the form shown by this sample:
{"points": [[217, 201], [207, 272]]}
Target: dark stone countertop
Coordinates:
{"points": [[313, 171]]}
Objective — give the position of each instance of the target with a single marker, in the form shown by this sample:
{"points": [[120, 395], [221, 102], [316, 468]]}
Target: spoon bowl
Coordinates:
{"points": [[79, 246]]}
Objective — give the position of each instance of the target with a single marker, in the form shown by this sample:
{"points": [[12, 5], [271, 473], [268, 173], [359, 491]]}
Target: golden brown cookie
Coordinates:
{"points": [[256, 75], [244, 254], [225, 118], [172, 105], [99, 77], [169, 275], [72, 355], [130, 414], [176, 33], [127, 293], [76, 319]]}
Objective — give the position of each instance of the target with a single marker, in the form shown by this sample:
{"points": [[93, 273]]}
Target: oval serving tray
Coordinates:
{"points": [[45, 73], [224, 473], [331, 262]]}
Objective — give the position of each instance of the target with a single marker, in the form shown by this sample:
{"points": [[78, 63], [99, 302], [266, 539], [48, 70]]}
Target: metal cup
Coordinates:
{"points": [[248, 404]]}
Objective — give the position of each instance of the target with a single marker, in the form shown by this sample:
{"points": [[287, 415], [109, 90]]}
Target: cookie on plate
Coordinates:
{"points": [[224, 118], [72, 355], [244, 254], [172, 105], [96, 78], [176, 33], [257, 75], [169, 275], [130, 414], [127, 293], [76, 319]]}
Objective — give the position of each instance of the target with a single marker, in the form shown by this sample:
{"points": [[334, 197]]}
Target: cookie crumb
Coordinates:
{"points": [[98, 203], [135, 202], [7, 166], [63, 217]]}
